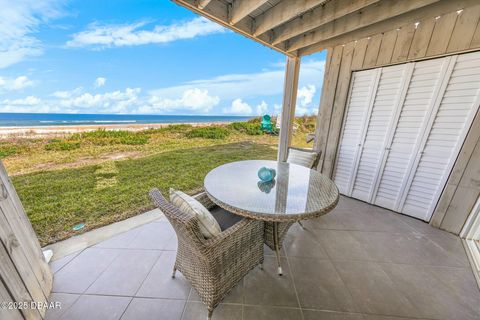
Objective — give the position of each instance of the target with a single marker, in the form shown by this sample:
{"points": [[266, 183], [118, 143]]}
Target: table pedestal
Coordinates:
{"points": [[276, 245]]}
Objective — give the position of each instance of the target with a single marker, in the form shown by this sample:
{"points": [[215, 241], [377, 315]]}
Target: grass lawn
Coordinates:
{"points": [[100, 177]]}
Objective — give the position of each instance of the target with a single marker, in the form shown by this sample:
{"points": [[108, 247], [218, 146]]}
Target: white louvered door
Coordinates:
{"points": [[362, 91], [423, 88], [389, 94], [442, 141], [399, 152]]}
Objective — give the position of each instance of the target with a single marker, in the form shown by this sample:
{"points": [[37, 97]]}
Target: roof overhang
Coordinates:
{"points": [[302, 27]]}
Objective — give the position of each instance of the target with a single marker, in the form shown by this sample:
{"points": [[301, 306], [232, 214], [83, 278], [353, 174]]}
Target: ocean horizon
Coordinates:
{"points": [[70, 119]]}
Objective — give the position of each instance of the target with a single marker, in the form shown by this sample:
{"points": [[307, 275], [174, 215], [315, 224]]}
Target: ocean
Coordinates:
{"points": [[58, 119]]}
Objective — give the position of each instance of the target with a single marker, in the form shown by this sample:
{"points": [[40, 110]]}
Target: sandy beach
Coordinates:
{"points": [[49, 131]]}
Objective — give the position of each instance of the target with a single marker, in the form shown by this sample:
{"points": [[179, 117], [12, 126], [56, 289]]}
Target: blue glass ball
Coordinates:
{"points": [[266, 174]]}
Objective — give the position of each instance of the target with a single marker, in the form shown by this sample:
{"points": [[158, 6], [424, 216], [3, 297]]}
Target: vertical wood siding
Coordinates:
{"points": [[432, 37]]}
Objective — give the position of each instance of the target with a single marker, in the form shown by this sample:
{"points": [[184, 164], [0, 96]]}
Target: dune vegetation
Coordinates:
{"points": [[103, 176]]}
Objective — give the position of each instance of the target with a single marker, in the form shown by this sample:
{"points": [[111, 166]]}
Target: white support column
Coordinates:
{"points": [[292, 71]]}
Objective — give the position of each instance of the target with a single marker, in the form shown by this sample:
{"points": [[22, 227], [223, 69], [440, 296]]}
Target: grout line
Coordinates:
{"points": [[186, 302], [65, 311], [148, 273], [293, 282], [111, 262], [128, 305], [76, 255]]}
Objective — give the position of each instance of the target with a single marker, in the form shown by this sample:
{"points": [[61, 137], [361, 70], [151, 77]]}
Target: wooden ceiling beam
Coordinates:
{"points": [[218, 12], [375, 13], [283, 12], [242, 8], [202, 3], [437, 9], [318, 17]]}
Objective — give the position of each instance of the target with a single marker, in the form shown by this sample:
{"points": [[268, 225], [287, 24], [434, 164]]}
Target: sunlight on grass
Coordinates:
{"points": [[100, 177]]}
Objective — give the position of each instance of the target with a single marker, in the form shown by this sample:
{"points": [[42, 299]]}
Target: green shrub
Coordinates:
{"points": [[173, 128], [103, 137], [62, 145], [252, 129], [8, 150], [208, 133]]}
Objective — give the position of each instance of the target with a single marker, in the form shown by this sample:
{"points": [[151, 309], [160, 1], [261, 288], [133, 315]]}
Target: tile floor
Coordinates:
{"points": [[357, 262]]}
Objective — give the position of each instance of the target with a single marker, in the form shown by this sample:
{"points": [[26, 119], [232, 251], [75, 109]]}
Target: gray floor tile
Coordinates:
{"points": [[331, 220], [159, 282], [58, 264], [462, 283], [266, 287], [418, 226], [378, 317], [431, 296], [66, 300], [154, 309], [408, 248], [123, 240], [153, 236], [330, 315], [372, 290], [271, 313], [341, 245], [319, 286], [374, 219], [235, 296], [303, 243], [90, 307], [83, 270], [126, 273], [198, 311], [451, 244]]}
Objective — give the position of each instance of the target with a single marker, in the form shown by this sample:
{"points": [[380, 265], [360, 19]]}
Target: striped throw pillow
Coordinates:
{"points": [[207, 223], [303, 158]]}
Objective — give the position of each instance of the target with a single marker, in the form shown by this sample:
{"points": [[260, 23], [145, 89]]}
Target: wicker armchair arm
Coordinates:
{"points": [[203, 198], [241, 231]]}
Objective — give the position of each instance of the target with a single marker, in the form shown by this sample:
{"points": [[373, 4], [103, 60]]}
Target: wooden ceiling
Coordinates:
{"points": [[301, 27]]}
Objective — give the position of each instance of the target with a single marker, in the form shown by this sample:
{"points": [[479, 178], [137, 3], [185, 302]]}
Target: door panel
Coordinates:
{"points": [[443, 141], [362, 90], [398, 147], [425, 81], [387, 97]]}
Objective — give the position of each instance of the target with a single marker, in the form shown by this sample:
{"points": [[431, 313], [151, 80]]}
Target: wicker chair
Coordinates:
{"points": [[284, 226], [213, 266]]}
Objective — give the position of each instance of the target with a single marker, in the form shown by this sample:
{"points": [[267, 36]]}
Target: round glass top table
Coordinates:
{"points": [[295, 194]]}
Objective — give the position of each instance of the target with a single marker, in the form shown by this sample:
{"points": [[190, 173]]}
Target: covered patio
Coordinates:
{"points": [[357, 262], [380, 254]]}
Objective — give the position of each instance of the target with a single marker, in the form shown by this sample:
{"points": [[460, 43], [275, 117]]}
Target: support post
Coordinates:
{"points": [[292, 71]]}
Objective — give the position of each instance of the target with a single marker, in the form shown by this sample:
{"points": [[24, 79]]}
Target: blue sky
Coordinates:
{"points": [[138, 56]]}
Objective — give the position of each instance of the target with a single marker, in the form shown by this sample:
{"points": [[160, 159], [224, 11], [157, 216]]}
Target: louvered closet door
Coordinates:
{"points": [[389, 95], [362, 91], [441, 143], [399, 146], [423, 89]]}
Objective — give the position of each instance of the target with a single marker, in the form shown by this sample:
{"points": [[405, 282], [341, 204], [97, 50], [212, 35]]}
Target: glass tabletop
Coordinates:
{"points": [[296, 192]]}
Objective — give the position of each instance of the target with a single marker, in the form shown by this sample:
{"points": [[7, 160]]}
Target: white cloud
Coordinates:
{"points": [[67, 93], [267, 83], [111, 102], [305, 95], [304, 100], [18, 21], [196, 100], [262, 108], [238, 107], [13, 84], [103, 36], [100, 82], [28, 104]]}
